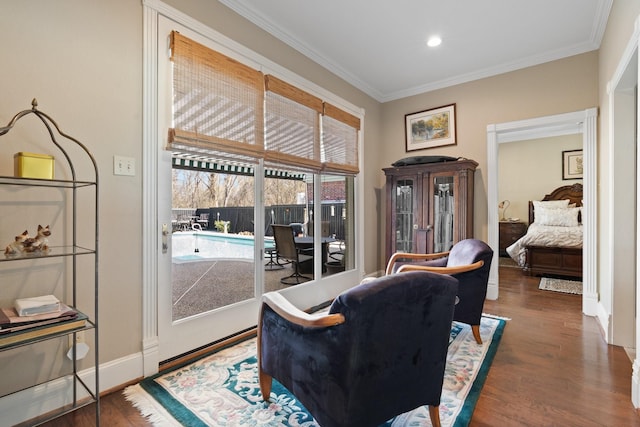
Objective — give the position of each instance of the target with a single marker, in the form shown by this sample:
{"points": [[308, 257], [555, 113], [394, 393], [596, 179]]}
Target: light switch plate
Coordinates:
{"points": [[124, 166]]}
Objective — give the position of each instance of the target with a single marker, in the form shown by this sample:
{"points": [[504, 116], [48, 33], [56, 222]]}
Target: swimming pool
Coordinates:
{"points": [[194, 246]]}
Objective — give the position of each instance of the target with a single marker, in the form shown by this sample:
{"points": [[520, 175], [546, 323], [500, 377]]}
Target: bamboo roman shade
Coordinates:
{"points": [[223, 108], [292, 125], [217, 102], [339, 141]]}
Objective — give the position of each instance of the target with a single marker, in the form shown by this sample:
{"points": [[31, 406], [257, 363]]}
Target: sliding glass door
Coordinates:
{"points": [[215, 207], [209, 264]]}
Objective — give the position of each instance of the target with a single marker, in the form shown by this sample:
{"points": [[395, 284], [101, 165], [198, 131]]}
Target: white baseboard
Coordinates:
{"points": [[635, 384], [492, 291], [590, 304], [378, 273], [31, 403], [603, 320]]}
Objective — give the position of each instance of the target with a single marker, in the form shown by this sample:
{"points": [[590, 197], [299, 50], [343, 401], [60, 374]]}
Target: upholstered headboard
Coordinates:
{"points": [[571, 192]]}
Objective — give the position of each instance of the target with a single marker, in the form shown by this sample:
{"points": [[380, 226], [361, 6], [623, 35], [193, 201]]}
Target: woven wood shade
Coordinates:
{"points": [[339, 141], [341, 115], [225, 109], [280, 87], [292, 125], [218, 102]]}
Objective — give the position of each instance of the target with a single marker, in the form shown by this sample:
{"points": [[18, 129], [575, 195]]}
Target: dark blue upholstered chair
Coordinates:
{"points": [[380, 351], [469, 261]]}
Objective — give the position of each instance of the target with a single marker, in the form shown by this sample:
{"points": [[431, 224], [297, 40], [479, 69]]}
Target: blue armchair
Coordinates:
{"points": [[379, 352], [469, 261]]}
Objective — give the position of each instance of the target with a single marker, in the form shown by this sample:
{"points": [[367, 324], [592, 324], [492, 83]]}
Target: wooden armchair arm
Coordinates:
{"points": [[442, 270], [407, 255], [288, 311]]}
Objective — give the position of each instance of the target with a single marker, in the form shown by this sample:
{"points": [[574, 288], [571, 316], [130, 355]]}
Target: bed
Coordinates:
{"points": [[553, 242]]}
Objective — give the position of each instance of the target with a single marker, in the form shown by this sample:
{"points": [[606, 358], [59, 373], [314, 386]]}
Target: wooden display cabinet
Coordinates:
{"points": [[429, 206]]}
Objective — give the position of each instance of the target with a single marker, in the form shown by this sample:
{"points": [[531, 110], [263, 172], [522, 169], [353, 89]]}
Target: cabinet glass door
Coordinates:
{"points": [[405, 195], [443, 213]]}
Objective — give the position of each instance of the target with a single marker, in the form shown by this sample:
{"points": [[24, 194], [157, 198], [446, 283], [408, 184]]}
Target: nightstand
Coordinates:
{"points": [[510, 231]]}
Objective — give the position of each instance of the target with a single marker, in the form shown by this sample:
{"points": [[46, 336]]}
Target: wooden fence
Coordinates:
{"points": [[241, 218]]}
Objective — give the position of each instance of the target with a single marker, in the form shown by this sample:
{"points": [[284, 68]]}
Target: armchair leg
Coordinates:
{"points": [[476, 333], [265, 384], [434, 414], [264, 379]]}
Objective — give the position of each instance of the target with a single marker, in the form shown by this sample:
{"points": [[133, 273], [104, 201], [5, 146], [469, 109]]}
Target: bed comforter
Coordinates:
{"points": [[545, 235]]}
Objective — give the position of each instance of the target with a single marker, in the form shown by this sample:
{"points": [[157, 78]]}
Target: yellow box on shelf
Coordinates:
{"points": [[32, 165]]}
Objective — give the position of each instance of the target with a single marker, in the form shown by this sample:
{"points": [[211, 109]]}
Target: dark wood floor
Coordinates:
{"points": [[552, 368]]}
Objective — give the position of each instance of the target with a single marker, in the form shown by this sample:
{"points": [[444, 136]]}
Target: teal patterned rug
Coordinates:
{"points": [[221, 389]]}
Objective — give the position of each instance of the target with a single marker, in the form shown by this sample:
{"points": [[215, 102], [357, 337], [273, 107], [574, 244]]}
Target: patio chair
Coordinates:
{"points": [[324, 226], [286, 249], [336, 251], [184, 222], [203, 220], [297, 228]]}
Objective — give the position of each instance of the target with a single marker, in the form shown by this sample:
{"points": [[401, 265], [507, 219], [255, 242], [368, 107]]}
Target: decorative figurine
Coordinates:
{"points": [[17, 246], [42, 239], [23, 243]]}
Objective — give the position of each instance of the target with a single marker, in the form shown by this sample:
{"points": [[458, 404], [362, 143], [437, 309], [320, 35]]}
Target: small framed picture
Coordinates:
{"points": [[572, 164], [431, 128]]}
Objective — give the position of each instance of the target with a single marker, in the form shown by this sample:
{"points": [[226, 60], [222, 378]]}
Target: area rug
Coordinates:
{"points": [[221, 389], [560, 285]]}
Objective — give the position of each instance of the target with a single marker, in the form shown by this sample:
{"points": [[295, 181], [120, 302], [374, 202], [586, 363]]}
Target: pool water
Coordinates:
{"points": [[212, 245]]}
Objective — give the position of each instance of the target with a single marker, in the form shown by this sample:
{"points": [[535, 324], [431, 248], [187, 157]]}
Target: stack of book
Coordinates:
{"points": [[37, 305], [33, 318]]}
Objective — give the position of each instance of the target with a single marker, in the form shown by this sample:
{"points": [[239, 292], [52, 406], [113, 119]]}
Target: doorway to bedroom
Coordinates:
{"points": [[528, 172], [582, 123]]}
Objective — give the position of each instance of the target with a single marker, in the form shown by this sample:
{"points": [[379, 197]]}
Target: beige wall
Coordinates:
{"points": [[82, 60], [528, 170], [557, 87], [620, 27]]}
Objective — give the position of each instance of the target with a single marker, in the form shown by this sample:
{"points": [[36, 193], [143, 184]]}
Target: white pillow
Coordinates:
{"points": [[551, 204], [558, 217]]}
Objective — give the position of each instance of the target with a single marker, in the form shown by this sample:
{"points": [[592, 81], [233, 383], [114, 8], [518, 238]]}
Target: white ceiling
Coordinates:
{"points": [[379, 46]]}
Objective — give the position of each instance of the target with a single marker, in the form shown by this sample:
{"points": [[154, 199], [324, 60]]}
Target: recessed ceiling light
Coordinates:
{"points": [[434, 41]]}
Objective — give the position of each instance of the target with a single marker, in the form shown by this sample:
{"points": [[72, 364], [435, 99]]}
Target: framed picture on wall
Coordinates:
{"points": [[572, 164], [431, 128]]}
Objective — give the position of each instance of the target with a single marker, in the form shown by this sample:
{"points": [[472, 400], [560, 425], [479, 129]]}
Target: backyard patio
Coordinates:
{"points": [[200, 286]]}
